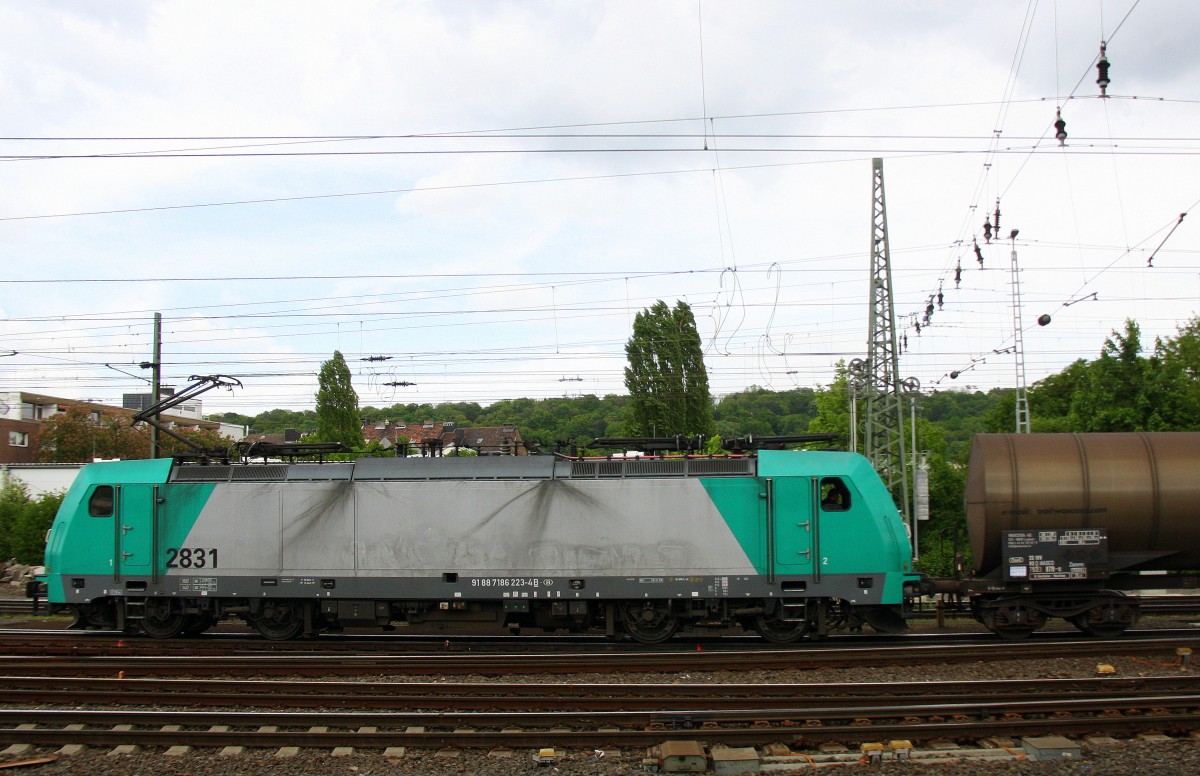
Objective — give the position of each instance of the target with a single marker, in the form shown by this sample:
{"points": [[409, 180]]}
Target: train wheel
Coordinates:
{"points": [[1105, 622], [93, 617], [786, 623], [780, 631], [279, 620], [1101, 630], [1013, 622], [649, 622], [198, 623], [163, 618]]}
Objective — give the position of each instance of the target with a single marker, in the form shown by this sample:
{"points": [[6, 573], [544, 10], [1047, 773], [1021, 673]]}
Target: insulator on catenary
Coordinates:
{"points": [[978, 253], [987, 229], [957, 272], [1060, 127], [1102, 70], [940, 298], [996, 219]]}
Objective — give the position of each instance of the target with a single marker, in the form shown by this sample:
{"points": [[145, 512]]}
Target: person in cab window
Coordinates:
{"points": [[835, 497]]}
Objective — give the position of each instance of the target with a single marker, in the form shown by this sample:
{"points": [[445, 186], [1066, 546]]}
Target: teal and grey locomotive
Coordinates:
{"points": [[786, 543]]}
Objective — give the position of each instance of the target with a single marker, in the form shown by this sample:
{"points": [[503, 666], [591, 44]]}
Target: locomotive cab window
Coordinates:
{"points": [[835, 496], [101, 502]]}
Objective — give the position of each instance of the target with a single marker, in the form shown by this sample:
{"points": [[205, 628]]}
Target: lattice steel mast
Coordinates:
{"points": [[883, 426], [1019, 343]]}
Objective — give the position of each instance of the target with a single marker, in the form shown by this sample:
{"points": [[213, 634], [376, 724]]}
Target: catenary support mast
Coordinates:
{"points": [[1023, 426], [883, 426]]}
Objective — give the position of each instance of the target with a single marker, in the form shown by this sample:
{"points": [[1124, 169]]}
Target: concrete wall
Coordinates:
{"points": [[42, 477]]}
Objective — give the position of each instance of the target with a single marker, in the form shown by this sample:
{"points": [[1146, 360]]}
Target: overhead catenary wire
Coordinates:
{"points": [[1059, 124], [307, 339]]}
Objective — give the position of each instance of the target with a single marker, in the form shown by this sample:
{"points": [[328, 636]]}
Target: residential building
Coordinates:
{"points": [[23, 412]]}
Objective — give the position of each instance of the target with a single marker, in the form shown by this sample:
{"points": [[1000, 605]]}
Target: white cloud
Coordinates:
{"points": [[484, 291]]}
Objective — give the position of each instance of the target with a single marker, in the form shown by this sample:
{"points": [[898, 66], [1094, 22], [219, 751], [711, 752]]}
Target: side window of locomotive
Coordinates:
{"points": [[101, 502], [835, 496]]}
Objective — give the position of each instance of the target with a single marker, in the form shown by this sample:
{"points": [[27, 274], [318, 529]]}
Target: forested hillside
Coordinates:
{"points": [[578, 420]]}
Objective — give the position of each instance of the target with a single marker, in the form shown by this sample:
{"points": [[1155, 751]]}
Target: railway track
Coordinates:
{"points": [[76, 658], [529, 697], [19, 606], [794, 724], [121, 698]]}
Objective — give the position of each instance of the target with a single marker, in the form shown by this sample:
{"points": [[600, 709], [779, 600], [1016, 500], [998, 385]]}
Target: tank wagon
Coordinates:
{"points": [[1058, 523], [786, 543]]}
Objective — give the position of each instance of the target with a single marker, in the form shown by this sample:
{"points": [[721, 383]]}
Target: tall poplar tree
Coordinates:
{"points": [[666, 378], [337, 404]]}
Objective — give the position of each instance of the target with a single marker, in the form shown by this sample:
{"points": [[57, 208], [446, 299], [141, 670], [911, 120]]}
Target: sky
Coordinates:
{"points": [[472, 200]]}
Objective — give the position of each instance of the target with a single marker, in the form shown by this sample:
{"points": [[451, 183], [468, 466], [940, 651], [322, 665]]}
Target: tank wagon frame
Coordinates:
{"points": [[787, 543]]}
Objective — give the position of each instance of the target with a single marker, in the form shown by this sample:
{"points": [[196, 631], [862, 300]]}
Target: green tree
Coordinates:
{"points": [[945, 532], [279, 421], [203, 438], [1113, 398], [78, 436], [959, 415], [13, 498], [763, 412], [1052, 400], [666, 378], [1175, 381], [236, 418], [1001, 417], [24, 521], [337, 405], [833, 406]]}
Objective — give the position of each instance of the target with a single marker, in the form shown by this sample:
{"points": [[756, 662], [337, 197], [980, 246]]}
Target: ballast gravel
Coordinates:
{"points": [[1127, 757]]}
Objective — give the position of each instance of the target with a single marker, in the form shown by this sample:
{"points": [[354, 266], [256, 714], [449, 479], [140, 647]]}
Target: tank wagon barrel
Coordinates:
{"points": [[1143, 489]]}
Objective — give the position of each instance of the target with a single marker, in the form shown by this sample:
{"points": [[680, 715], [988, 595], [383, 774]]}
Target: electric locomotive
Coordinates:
{"points": [[789, 544]]}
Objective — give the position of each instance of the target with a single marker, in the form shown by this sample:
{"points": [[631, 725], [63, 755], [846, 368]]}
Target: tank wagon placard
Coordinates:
{"points": [[1045, 555]]}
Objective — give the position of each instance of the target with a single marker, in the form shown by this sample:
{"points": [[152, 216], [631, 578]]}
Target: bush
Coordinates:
{"points": [[24, 521]]}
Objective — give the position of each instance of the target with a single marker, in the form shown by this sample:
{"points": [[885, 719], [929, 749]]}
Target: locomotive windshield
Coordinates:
{"points": [[101, 502]]}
